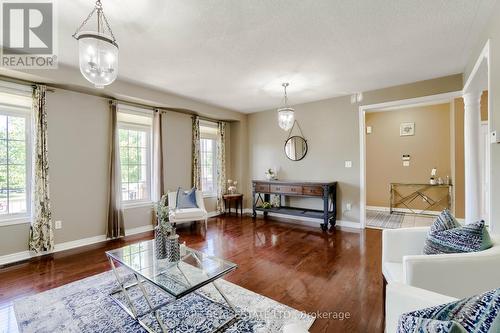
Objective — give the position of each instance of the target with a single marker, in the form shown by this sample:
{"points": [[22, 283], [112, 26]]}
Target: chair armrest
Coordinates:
{"points": [[401, 298], [458, 275], [397, 243], [200, 201]]}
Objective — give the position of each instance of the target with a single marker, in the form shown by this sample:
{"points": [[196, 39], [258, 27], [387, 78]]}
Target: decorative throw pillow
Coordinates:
{"points": [[186, 199], [444, 221], [448, 236], [478, 314]]}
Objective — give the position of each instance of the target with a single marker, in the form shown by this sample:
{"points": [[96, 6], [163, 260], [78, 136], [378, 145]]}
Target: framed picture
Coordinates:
{"points": [[407, 129]]}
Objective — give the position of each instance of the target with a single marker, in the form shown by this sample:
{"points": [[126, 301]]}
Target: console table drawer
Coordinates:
{"points": [[312, 190], [286, 189], [261, 187]]}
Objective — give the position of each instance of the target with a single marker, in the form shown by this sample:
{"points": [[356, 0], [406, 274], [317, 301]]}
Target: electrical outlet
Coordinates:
{"points": [[58, 224], [348, 164], [406, 163], [348, 206], [368, 130]]}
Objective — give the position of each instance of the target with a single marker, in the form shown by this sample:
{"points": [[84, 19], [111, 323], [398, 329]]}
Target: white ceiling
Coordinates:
{"points": [[235, 54]]}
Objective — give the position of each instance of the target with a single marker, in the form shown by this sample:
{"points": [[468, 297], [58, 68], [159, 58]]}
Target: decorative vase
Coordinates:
{"points": [[173, 248], [160, 242]]}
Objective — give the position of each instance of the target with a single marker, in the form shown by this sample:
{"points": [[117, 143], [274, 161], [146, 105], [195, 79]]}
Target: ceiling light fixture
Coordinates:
{"points": [[286, 114], [98, 50]]}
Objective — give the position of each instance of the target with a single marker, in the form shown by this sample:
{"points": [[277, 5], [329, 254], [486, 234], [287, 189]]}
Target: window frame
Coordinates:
{"points": [[209, 124], [149, 165], [26, 113]]}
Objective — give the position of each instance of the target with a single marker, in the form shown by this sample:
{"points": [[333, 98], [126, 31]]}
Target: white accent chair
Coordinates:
{"points": [[401, 298], [184, 215], [456, 275]]}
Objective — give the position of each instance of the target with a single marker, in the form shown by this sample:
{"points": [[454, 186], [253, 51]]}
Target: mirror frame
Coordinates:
{"points": [[305, 153]]}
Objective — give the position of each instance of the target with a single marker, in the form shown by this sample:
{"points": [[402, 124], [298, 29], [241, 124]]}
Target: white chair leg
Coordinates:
{"points": [[206, 218]]}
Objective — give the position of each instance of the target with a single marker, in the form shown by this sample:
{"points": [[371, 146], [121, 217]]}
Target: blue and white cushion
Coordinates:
{"points": [[447, 236], [478, 314]]}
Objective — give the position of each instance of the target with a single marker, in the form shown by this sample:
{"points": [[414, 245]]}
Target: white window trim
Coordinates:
{"points": [[211, 137], [127, 204], [22, 218]]}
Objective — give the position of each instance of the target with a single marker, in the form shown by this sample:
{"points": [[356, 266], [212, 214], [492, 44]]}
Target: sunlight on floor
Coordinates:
{"points": [[8, 323]]}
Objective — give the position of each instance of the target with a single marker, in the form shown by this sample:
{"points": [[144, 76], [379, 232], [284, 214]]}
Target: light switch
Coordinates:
{"points": [[348, 164], [406, 163]]}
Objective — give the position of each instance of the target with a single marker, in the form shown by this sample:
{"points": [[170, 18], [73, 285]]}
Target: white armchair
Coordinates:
{"points": [[187, 214], [457, 275], [401, 298]]}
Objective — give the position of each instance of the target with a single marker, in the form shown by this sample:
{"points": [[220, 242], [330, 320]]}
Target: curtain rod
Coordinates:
{"points": [[52, 89]]}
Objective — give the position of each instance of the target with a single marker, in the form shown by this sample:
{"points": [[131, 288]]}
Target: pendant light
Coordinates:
{"points": [[286, 114], [98, 50]]}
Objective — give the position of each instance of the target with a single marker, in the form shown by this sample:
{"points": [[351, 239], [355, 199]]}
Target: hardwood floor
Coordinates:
{"points": [[334, 272]]}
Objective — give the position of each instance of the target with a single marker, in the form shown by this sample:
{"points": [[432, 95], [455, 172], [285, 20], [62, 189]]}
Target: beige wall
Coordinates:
{"points": [[332, 129], [428, 148], [78, 127]]}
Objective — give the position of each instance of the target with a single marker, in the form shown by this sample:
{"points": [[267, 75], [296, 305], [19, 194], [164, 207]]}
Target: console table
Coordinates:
{"points": [[326, 191], [422, 193]]}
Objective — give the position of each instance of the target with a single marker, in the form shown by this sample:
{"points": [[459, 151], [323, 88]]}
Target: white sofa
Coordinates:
{"points": [[401, 298], [184, 215], [456, 275]]}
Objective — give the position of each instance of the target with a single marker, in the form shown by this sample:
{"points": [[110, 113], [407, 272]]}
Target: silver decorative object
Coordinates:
{"points": [[173, 248], [160, 242]]}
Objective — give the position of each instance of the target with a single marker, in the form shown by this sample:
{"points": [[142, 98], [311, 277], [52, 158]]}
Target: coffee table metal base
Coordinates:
{"points": [[131, 310]]}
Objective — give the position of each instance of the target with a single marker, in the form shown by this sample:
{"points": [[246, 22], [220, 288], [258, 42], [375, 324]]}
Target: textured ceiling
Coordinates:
{"points": [[236, 53]]}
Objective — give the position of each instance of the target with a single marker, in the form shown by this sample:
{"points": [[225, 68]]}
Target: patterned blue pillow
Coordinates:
{"points": [[478, 314], [186, 199], [447, 236]]}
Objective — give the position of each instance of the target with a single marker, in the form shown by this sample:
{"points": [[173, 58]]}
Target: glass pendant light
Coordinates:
{"points": [[98, 50], [286, 114]]}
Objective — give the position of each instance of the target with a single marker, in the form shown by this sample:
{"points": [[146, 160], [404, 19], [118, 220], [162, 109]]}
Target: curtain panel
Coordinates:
{"points": [[41, 232], [196, 163], [221, 165], [115, 226], [158, 178]]}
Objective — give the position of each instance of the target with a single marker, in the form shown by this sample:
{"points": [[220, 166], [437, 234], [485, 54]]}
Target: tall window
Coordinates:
{"points": [[15, 156], [208, 157], [135, 156]]}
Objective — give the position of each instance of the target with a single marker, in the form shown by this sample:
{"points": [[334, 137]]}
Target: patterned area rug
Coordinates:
{"points": [[85, 306], [384, 220]]}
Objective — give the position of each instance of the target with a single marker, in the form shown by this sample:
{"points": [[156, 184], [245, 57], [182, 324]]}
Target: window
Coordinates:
{"points": [[15, 156], [208, 158], [134, 133]]}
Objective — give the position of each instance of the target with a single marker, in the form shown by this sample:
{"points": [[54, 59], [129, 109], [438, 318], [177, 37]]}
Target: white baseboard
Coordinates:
{"points": [[213, 214], [138, 230], [401, 210], [308, 221], [23, 255]]}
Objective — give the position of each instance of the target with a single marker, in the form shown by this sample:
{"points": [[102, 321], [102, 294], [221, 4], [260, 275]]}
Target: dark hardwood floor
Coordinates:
{"points": [[333, 272]]}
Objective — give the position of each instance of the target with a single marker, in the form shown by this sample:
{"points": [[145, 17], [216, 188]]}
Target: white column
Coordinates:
{"points": [[472, 121]]}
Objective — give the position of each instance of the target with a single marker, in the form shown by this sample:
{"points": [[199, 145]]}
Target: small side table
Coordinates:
{"points": [[237, 199]]}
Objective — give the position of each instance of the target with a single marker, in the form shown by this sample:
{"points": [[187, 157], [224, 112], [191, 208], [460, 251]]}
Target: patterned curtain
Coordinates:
{"points": [[158, 181], [41, 232], [115, 226], [196, 167], [221, 165]]}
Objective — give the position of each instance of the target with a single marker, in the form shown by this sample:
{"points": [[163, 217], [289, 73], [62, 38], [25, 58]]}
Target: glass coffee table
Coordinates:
{"points": [[136, 267]]}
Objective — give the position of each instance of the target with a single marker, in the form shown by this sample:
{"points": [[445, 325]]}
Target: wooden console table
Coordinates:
{"points": [[327, 191]]}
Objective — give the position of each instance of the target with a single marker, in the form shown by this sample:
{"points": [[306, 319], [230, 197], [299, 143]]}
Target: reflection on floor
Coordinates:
{"points": [[385, 220]]}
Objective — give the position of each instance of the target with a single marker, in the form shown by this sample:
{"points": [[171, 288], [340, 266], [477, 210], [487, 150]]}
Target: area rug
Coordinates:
{"points": [[85, 306], [384, 220]]}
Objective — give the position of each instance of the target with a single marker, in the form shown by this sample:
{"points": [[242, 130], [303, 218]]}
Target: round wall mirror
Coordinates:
{"points": [[296, 148]]}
